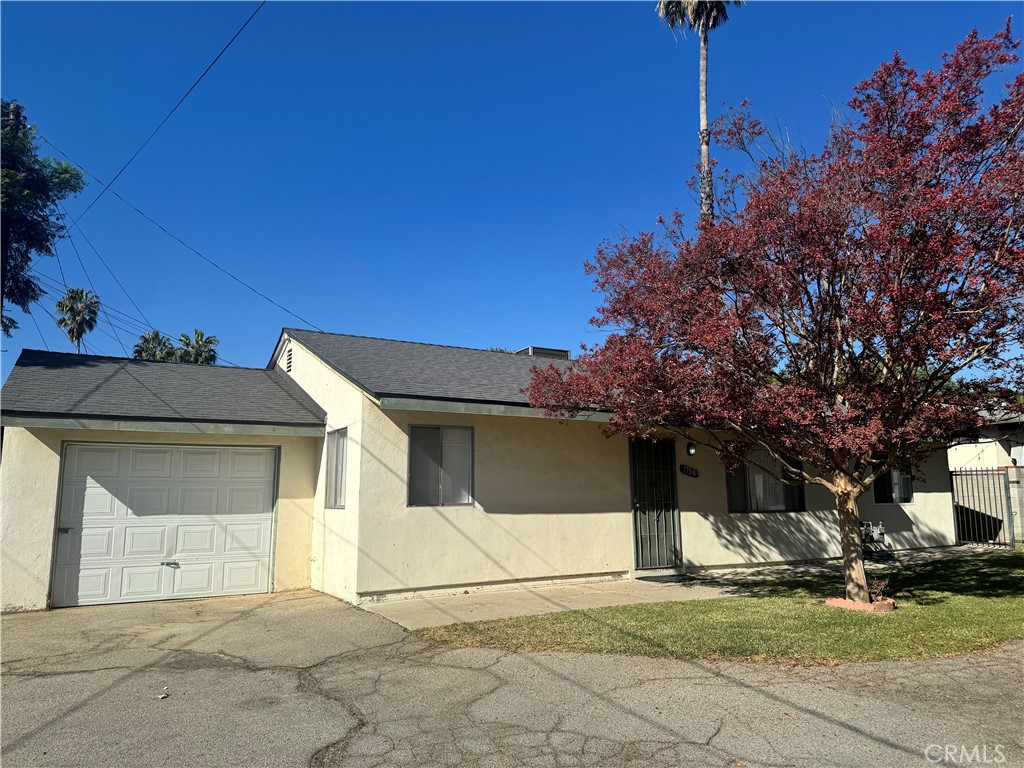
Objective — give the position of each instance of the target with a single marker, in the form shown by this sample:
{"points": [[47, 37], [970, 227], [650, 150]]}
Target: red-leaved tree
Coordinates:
{"points": [[849, 312]]}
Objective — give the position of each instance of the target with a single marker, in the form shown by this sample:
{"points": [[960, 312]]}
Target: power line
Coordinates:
{"points": [[122, 323], [173, 236], [89, 279], [39, 330], [168, 117], [104, 263]]}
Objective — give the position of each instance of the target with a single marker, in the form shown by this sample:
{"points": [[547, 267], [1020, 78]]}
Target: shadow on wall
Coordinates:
{"points": [[776, 536]]}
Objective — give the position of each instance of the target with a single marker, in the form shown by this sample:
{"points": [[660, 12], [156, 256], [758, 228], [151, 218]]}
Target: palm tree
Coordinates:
{"points": [[701, 16], [198, 349], [153, 345], [77, 311]]}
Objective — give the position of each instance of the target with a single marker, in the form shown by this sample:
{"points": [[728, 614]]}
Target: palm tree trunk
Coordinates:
{"points": [[853, 553], [707, 202], [78, 345]]}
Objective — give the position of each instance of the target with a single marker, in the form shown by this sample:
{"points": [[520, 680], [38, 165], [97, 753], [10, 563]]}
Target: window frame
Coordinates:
{"points": [[798, 494], [331, 500], [895, 476], [472, 468]]}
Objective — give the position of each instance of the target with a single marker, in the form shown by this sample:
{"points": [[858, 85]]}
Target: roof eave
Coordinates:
{"points": [[478, 408], [176, 426]]}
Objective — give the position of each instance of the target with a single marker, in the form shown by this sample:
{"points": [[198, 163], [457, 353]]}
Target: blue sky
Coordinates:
{"points": [[433, 172]]}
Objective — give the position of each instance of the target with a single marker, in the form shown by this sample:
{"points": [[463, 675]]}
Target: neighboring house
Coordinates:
{"points": [[370, 469], [1000, 446]]}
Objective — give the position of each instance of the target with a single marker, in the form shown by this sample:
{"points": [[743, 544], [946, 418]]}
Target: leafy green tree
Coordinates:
{"points": [[701, 16], [153, 345], [198, 349], [77, 311], [30, 189]]}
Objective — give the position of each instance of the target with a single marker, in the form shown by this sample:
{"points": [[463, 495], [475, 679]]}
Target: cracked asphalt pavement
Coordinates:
{"points": [[299, 678]]}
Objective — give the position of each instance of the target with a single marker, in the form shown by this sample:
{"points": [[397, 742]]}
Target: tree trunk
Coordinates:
{"points": [[853, 553], [707, 192]]}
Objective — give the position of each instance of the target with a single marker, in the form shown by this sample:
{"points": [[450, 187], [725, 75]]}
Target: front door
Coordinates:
{"points": [[652, 472]]}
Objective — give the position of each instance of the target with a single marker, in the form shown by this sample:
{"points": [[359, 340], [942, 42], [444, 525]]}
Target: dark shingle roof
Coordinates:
{"points": [[84, 386], [386, 368]]}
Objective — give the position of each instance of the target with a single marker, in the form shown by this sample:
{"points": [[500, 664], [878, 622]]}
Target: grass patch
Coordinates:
{"points": [[945, 607]]}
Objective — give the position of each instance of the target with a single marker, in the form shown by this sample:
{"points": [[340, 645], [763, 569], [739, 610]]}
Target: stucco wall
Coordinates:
{"points": [[29, 482], [712, 536], [551, 500], [993, 450], [335, 531]]}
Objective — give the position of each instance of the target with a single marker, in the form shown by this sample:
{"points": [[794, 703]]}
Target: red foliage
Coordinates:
{"points": [[850, 308]]}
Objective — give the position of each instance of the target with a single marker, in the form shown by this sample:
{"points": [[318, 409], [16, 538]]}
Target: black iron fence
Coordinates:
{"points": [[983, 508]]}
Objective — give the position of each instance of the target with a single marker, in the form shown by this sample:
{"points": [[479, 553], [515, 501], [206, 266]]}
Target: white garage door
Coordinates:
{"points": [[159, 522]]}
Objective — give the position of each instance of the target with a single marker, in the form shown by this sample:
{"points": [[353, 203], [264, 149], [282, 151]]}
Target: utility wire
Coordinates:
{"points": [[168, 117], [173, 236], [89, 279], [122, 324], [39, 330], [104, 263]]}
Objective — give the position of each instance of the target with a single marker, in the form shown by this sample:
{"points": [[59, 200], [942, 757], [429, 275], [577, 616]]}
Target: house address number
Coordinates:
{"points": [[689, 471]]}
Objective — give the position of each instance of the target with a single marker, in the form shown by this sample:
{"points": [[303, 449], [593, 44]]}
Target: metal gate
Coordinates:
{"points": [[652, 472], [982, 508]]}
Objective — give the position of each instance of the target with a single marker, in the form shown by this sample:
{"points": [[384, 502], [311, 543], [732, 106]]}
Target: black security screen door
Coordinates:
{"points": [[652, 471]]}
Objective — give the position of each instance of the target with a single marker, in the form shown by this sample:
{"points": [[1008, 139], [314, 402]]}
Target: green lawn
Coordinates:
{"points": [[944, 607]]}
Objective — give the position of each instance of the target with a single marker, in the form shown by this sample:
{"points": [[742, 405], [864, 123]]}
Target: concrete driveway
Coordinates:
{"points": [[299, 679]]}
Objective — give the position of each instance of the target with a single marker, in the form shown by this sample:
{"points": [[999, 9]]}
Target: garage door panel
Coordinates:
{"points": [[145, 501], [199, 501], [145, 541], [150, 462], [94, 543], [247, 501], [143, 581], [242, 575], [200, 463], [95, 461], [156, 522], [192, 540], [247, 538], [194, 579], [249, 465]]}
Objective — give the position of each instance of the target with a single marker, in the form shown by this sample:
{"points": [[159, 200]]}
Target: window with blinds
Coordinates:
{"points": [[895, 487], [336, 443], [753, 489], [440, 466]]}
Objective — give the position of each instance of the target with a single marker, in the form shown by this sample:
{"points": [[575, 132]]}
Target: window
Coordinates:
{"points": [[752, 489], [336, 468], [440, 466], [896, 487]]}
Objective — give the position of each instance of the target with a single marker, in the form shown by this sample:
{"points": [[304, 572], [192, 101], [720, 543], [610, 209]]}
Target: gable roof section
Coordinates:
{"points": [[384, 368], [62, 386]]}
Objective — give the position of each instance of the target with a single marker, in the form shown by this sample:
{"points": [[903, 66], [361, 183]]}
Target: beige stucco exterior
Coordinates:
{"points": [[712, 536], [29, 482], [551, 501]]}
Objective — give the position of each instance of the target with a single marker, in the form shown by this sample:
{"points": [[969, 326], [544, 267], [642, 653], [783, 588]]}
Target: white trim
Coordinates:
{"points": [[482, 409], [174, 427]]}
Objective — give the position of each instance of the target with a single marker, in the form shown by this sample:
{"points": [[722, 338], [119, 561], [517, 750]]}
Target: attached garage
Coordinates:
{"points": [[130, 481]]}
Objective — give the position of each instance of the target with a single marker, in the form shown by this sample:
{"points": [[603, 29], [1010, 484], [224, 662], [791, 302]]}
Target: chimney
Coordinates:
{"points": [[548, 352]]}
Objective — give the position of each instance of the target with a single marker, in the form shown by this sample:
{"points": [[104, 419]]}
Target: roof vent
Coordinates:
{"points": [[554, 354], [288, 360]]}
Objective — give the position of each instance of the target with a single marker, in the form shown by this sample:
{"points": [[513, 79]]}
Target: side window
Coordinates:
{"points": [[336, 446], [752, 489], [440, 466], [896, 487]]}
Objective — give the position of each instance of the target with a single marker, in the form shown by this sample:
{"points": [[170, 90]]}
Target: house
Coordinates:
{"points": [[1000, 444], [372, 469]]}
